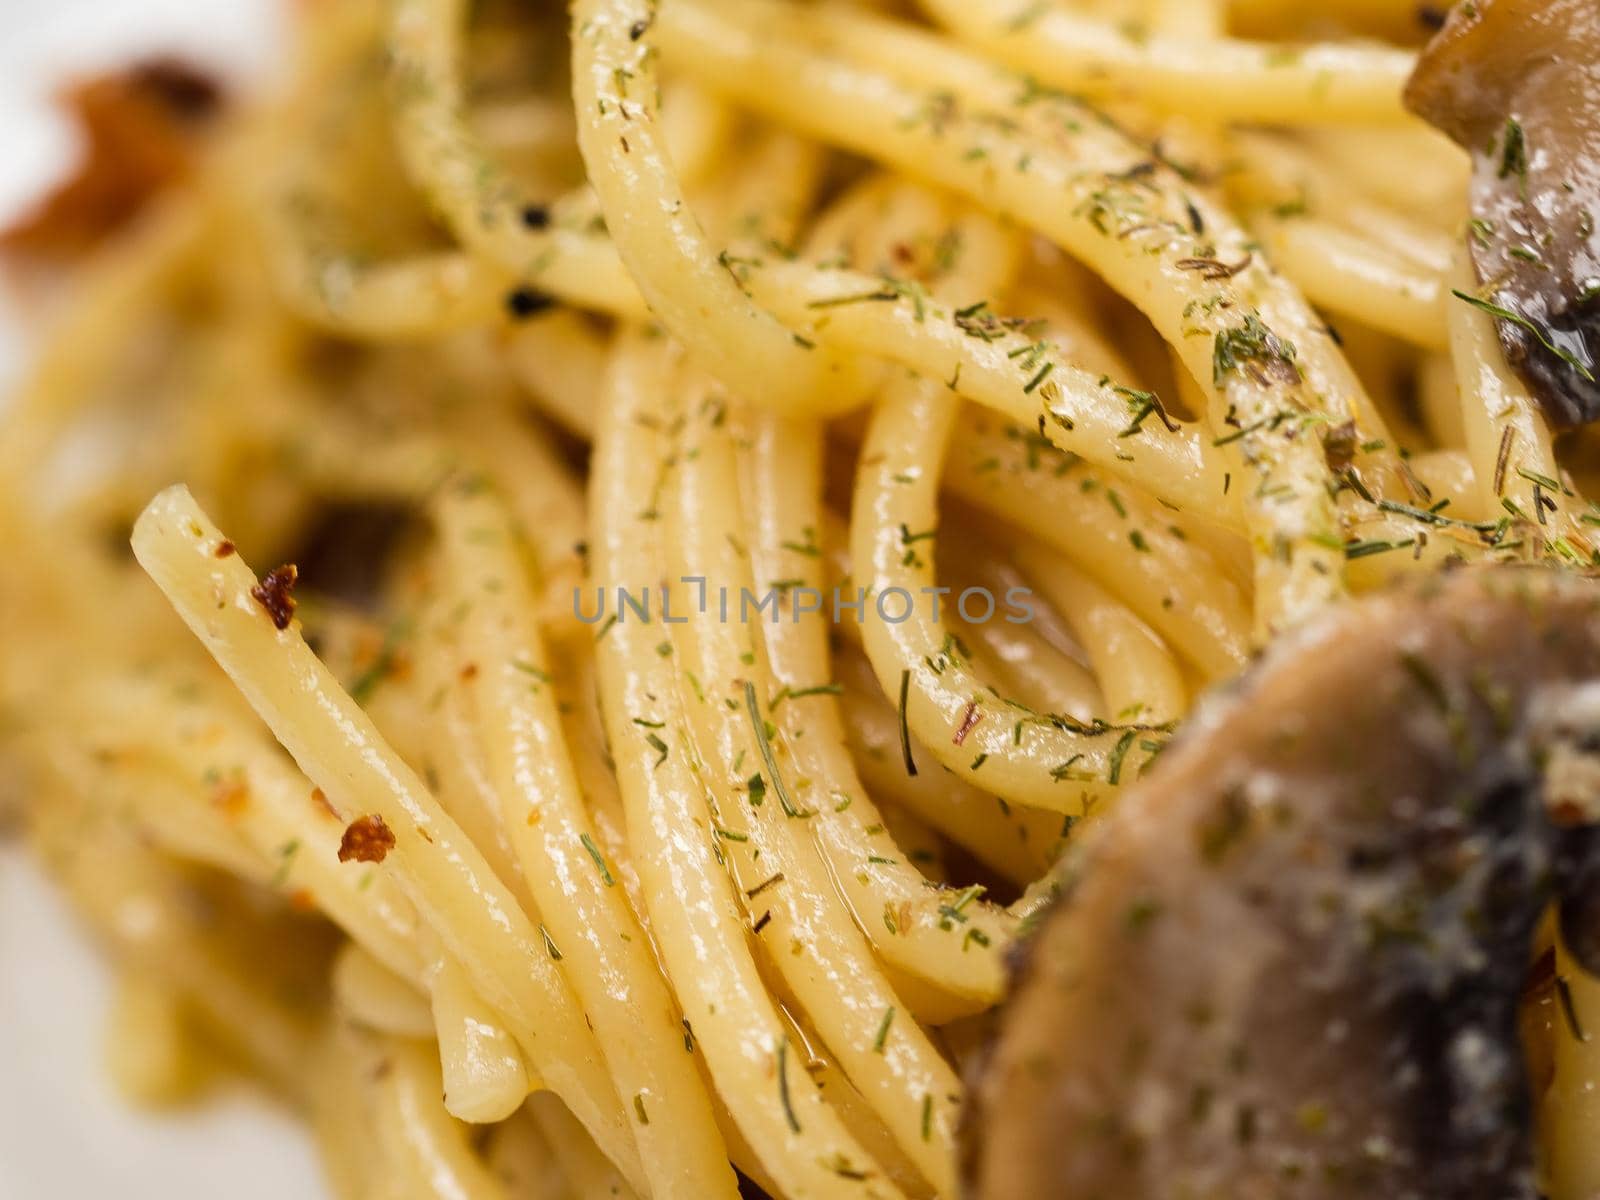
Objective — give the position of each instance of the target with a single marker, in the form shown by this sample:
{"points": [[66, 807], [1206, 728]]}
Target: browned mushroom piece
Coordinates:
{"points": [[1517, 83], [1289, 963]]}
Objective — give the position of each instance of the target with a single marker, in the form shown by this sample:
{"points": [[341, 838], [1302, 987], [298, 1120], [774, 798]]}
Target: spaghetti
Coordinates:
{"points": [[934, 402]]}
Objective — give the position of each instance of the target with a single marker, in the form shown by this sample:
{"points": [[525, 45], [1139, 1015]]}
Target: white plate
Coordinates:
{"points": [[64, 1133]]}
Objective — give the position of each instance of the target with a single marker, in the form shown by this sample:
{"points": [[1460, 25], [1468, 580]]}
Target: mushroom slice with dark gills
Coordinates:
{"points": [[1517, 83], [1288, 964]]}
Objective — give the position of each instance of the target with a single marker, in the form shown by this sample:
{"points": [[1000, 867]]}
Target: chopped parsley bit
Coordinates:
{"points": [[883, 1030], [756, 787], [927, 1116], [599, 859], [764, 744], [729, 835]]}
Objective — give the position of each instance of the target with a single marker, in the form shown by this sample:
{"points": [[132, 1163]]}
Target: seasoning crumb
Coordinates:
{"points": [[224, 549], [968, 720], [275, 593], [366, 839], [525, 302]]}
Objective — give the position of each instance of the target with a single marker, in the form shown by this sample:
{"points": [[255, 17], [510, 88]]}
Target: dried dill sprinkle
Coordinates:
{"points": [[764, 744], [905, 729], [882, 1039], [1514, 154], [1569, 1009], [599, 859], [752, 893], [659, 746], [1253, 344], [525, 302], [1541, 334], [1114, 774], [549, 944], [286, 854], [783, 1084]]}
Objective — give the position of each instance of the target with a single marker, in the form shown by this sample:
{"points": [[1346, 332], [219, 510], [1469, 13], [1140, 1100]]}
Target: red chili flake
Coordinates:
{"points": [[143, 130], [469, 672], [366, 839], [231, 796], [275, 593], [224, 549], [969, 719]]}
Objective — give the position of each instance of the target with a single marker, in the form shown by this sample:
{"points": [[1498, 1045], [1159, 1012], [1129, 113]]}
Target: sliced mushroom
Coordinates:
{"points": [[1289, 963], [1517, 83]]}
